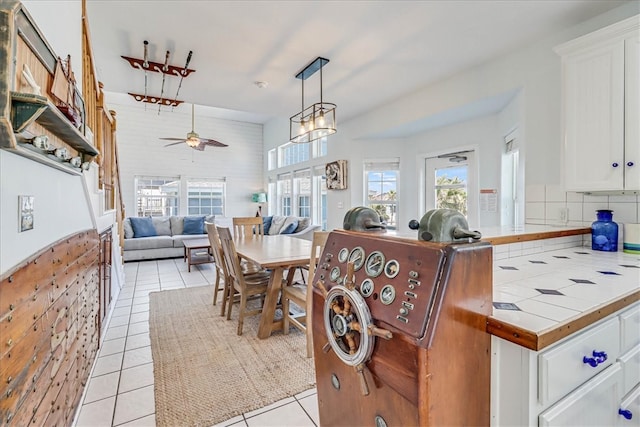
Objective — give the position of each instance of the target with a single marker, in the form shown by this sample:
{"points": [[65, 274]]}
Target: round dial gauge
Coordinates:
{"points": [[343, 255], [357, 257], [392, 268], [374, 264], [387, 294], [335, 274], [366, 287]]}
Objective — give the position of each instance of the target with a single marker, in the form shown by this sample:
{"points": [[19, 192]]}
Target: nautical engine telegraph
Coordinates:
{"points": [[427, 301]]}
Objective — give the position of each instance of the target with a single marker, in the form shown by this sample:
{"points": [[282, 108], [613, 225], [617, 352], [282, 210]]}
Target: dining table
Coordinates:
{"points": [[276, 253]]}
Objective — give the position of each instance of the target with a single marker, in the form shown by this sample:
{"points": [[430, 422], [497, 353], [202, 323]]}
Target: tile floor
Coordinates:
{"points": [[120, 390]]}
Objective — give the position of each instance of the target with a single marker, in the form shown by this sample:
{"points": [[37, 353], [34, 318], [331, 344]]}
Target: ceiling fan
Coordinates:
{"points": [[193, 140]]}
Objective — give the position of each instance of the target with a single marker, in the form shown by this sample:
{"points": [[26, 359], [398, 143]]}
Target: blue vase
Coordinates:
{"points": [[604, 232]]}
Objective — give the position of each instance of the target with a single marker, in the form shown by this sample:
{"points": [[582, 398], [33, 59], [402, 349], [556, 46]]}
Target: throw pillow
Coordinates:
{"points": [[290, 227], [128, 230], [303, 223], [142, 227], [276, 224], [162, 225], [177, 225], [266, 224], [193, 225]]}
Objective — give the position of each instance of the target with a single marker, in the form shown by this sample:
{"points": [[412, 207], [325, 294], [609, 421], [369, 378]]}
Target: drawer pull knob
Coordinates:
{"points": [[598, 358], [625, 413], [615, 164], [629, 164]]}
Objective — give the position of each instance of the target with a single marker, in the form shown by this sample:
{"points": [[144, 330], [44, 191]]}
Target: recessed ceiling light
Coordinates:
{"points": [[261, 85]]}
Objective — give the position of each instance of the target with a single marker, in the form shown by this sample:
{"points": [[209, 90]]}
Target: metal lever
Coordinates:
{"points": [[379, 332], [460, 233]]}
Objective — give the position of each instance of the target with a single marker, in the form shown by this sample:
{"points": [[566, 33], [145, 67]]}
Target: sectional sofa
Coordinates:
{"points": [[162, 237]]}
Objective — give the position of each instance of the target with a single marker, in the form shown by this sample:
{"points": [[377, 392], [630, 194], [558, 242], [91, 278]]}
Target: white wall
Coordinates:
{"points": [[142, 153], [533, 71], [60, 207]]}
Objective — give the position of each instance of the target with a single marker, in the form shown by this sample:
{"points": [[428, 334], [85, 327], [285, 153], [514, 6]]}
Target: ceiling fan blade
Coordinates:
{"points": [[212, 142], [175, 143], [200, 147], [172, 139]]}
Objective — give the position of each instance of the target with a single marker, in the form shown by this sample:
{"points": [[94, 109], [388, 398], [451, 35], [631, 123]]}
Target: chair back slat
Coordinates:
{"points": [[248, 226], [317, 246], [216, 247], [231, 257]]}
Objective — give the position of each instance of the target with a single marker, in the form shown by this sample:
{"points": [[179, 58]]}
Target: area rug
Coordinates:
{"points": [[205, 374]]}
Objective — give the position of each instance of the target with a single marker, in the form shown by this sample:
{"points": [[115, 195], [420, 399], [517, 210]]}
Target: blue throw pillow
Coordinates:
{"points": [[142, 227], [290, 228], [266, 224], [193, 225]]}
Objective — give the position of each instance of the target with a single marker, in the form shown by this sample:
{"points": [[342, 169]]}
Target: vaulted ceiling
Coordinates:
{"points": [[378, 50]]}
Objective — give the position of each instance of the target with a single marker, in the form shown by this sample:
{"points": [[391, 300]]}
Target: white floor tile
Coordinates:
{"points": [[148, 421], [139, 317], [136, 377], [269, 407], [235, 421], [133, 405], [137, 341], [116, 332], [136, 357], [112, 347], [290, 415], [138, 328], [139, 308], [310, 405], [108, 364], [97, 414], [102, 387]]}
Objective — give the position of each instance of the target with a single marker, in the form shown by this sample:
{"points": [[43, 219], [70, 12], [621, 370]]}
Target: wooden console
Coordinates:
{"points": [[433, 299]]}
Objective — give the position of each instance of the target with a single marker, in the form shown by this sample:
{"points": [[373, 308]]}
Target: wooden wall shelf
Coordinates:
{"points": [[47, 115]]}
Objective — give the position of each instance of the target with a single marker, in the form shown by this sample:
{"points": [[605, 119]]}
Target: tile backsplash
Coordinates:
{"points": [[551, 205]]}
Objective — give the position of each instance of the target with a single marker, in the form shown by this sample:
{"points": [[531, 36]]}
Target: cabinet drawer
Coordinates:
{"points": [[630, 362], [629, 328], [593, 404], [631, 405], [564, 368]]}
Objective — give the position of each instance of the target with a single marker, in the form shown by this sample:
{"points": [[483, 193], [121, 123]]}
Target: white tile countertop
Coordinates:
{"points": [[542, 297]]}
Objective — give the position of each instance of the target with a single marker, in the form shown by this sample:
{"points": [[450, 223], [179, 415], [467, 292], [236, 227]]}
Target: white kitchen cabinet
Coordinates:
{"points": [[601, 91], [557, 386], [629, 411]]}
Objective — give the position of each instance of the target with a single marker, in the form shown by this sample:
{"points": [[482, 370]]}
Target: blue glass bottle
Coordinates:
{"points": [[604, 232]]}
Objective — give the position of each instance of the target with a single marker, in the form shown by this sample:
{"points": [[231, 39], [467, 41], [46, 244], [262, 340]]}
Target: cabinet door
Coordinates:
{"points": [[632, 113], [595, 403], [594, 118], [631, 409]]}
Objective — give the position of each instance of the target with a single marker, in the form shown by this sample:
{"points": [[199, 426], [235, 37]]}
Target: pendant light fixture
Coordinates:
{"points": [[319, 119]]}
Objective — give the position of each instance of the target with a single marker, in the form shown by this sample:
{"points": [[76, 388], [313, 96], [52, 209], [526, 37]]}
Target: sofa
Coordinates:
{"points": [[162, 237]]}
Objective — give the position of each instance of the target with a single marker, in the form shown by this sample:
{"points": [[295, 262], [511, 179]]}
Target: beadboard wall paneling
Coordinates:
{"points": [[141, 152]]}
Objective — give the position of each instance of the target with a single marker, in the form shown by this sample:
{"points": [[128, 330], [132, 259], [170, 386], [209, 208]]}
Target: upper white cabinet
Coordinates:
{"points": [[601, 114]]}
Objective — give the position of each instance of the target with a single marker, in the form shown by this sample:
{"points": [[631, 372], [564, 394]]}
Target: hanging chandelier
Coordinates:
{"points": [[317, 120]]}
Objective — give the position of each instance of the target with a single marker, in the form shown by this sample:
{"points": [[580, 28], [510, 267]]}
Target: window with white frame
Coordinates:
{"points": [[157, 196], [381, 184], [205, 196], [284, 194], [319, 196], [302, 190], [320, 147], [272, 159], [291, 153]]}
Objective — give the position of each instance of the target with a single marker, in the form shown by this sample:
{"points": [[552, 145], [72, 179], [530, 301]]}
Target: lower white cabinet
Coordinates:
{"points": [[590, 378], [595, 403]]}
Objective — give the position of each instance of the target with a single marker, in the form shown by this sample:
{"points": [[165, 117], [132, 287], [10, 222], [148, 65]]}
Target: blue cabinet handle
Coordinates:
{"points": [[615, 164], [598, 358], [629, 164], [625, 413]]}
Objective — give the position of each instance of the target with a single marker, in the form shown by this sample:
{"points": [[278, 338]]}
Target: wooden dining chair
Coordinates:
{"points": [[301, 295], [247, 286], [248, 226]]}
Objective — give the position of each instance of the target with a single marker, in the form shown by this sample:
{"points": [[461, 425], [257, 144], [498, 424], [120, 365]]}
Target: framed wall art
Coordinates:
{"points": [[336, 173], [25, 214]]}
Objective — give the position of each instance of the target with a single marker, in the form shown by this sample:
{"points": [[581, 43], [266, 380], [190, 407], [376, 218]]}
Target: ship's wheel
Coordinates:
{"points": [[347, 322]]}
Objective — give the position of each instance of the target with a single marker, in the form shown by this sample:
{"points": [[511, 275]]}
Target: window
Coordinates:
{"points": [[381, 183], [291, 153], [302, 188], [272, 159], [284, 193], [156, 196], [320, 147], [205, 197], [319, 197]]}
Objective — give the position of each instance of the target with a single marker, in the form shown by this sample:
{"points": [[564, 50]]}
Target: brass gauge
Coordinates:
{"points": [[343, 255], [357, 257], [335, 274], [392, 268], [375, 264], [366, 287]]}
